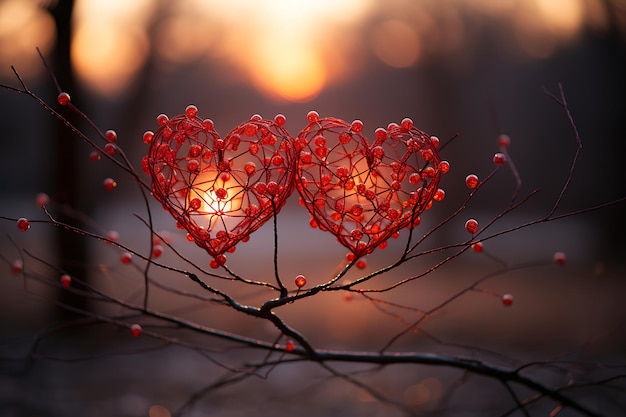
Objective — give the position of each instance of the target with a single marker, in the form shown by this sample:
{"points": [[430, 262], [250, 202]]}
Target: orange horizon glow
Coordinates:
{"points": [[287, 49]]}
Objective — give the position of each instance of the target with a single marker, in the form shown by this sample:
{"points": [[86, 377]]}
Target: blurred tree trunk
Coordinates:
{"points": [[70, 247]]}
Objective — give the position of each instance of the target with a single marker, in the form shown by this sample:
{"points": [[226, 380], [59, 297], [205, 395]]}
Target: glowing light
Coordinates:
{"points": [[24, 26], [396, 43], [110, 44], [220, 198]]}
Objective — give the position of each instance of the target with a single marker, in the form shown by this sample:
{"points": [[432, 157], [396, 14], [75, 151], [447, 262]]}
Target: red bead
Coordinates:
{"points": [[280, 120], [471, 181], [157, 251], [126, 258], [112, 236], [504, 141], [23, 224], [42, 200], [356, 126], [109, 183], [439, 195], [110, 149], [407, 123], [499, 159], [17, 267], [478, 247], [444, 167], [471, 226], [560, 258], [435, 141], [63, 99], [162, 119], [507, 300], [300, 281], [65, 280], [147, 137], [193, 165], [313, 116], [135, 330], [290, 346], [380, 133], [256, 118], [94, 156], [110, 135], [361, 264], [191, 111], [250, 168]]}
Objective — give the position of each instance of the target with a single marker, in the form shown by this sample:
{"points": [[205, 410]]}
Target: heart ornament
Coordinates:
{"points": [[361, 193], [220, 190]]}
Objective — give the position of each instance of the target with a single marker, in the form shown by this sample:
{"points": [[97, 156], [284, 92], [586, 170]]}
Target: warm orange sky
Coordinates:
{"points": [[288, 49]]}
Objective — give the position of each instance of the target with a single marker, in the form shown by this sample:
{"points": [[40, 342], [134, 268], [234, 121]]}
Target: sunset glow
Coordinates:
{"points": [[287, 49]]}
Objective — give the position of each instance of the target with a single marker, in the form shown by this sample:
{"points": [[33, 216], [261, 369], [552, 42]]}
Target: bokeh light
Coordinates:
{"points": [[289, 49], [35, 28]]}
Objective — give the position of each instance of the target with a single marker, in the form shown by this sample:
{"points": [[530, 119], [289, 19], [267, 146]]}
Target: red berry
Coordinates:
{"points": [[300, 281], [349, 256], [112, 236], [439, 195], [435, 141], [471, 226], [109, 183], [290, 346], [135, 330], [380, 133], [499, 159], [126, 258], [507, 299], [407, 123], [313, 116], [361, 264], [560, 258], [147, 136], [471, 181], [280, 119], [17, 267], [478, 247], [65, 280], [444, 167], [42, 200], [256, 118], [207, 124], [356, 126], [162, 119], [23, 224], [193, 165], [94, 156], [504, 141], [63, 99], [110, 135], [157, 251], [110, 149], [191, 111]]}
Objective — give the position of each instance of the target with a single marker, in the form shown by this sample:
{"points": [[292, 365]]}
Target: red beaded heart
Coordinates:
{"points": [[362, 193], [220, 190]]}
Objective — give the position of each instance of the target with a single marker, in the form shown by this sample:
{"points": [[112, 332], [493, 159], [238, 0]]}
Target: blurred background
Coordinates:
{"points": [[476, 68]]}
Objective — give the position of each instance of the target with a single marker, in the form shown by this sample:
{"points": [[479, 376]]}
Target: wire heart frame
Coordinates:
{"points": [[220, 190], [361, 193]]}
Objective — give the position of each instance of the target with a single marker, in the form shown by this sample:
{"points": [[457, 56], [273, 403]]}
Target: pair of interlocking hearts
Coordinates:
{"points": [[222, 189]]}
